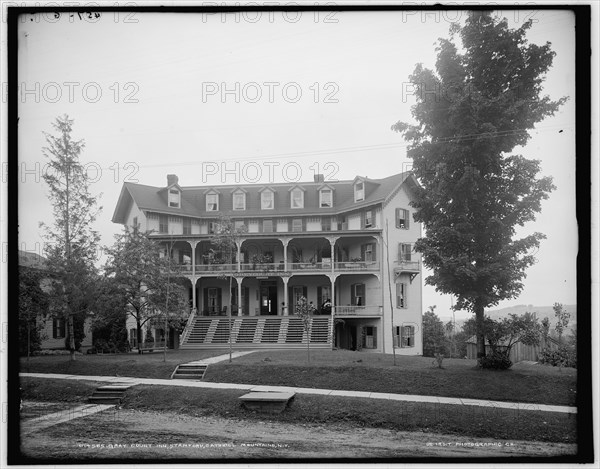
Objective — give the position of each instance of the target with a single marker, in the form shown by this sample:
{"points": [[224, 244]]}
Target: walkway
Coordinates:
{"points": [[520, 406], [220, 358]]}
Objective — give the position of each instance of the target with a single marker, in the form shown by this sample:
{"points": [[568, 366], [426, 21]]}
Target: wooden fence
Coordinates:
{"points": [[518, 352]]}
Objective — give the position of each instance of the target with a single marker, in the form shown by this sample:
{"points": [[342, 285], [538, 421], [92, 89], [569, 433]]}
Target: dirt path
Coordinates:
{"points": [[126, 434]]}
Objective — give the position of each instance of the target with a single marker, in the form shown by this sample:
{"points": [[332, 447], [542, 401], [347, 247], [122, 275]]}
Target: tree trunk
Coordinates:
{"points": [[479, 317], [139, 335], [71, 337]]}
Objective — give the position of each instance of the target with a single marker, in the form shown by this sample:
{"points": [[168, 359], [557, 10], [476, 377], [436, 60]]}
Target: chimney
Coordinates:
{"points": [[319, 178], [172, 179]]}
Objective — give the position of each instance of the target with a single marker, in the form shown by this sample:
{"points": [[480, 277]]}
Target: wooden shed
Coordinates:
{"points": [[518, 352]]}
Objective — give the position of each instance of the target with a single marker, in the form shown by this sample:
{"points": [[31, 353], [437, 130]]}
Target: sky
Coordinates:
{"points": [[266, 97]]}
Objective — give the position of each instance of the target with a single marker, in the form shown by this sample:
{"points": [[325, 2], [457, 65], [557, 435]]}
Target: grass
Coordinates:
{"points": [[340, 370], [482, 422]]}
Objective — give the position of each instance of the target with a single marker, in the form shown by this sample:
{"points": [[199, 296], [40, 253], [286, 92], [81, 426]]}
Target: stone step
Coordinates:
{"points": [[104, 400]]}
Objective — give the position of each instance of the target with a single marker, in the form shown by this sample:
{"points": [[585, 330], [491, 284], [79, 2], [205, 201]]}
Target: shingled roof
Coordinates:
{"points": [[193, 198]]}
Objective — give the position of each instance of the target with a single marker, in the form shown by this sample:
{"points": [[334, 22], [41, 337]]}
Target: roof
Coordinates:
{"points": [[32, 260], [193, 198]]}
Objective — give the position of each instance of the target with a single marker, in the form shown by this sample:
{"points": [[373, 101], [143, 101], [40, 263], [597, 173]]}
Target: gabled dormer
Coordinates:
{"points": [[359, 187], [238, 196], [173, 191], [297, 197], [267, 198], [325, 196], [212, 200]]}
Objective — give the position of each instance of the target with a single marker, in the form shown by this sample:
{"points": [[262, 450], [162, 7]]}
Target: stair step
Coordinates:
{"points": [[108, 394], [104, 400]]}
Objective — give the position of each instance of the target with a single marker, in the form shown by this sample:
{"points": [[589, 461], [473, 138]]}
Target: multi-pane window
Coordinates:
{"points": [[187, 226], [326, 223], [359, 191], [401, 289], [326, 198], [174, 198], [297, 224], [357, 293], [369, 253], [369, 337], [407, 336], [402, 218], [212, 227], [163, 224], [212, 202], [58, 328], [297, 198], [267, 226], [267, 200], [368, 218], [239, 224], [213, 299], [135, 223], [239, 201], [404, 252]]}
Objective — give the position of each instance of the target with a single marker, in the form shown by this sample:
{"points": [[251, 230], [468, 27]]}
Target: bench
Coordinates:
{"points": [[270, 402]]}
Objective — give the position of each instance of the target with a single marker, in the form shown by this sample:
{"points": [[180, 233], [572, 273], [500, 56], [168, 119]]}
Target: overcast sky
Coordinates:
{"points": [[273, 98]]}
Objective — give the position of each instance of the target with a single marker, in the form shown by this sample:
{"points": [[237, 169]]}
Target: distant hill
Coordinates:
{"points": [[541, 312]]}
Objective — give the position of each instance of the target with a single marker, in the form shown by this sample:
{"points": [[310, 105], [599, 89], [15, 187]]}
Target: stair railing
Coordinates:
{"points": [[188, 327]]}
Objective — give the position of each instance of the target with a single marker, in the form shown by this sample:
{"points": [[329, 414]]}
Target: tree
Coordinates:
{"points": [[471, 113], [434, 339], [562, 320], [72, 244], [506, 332], [305, 311], [139, 273], [224, 243], [33, 304]]}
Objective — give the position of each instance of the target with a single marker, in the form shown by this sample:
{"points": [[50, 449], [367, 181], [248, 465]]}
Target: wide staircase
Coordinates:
{"points": [[285, 332]]}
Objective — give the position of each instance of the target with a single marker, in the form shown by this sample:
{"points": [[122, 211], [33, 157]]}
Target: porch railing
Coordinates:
{"points": [[358, 310], [188, 326], [216, 267], [357, 265]]}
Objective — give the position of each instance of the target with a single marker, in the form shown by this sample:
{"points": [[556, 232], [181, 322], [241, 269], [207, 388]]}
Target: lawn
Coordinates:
{"points": [[340, 370], [482, 422]]}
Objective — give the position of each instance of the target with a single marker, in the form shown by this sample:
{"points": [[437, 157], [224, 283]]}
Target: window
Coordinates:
{"points": [[297, 198], [369, 337], [326, 224], [358, 294], [401, 295], [266, 200], [213, 299], [405, 335], [267, 226], [187, 226], [174, 198], [133, 337], [297, 224], [239, 224], [163, 224], [369, 253], [58, 328], [135, 223], [212, 227], [402, 218], [404, 252], [368, 219], [239, 201], [212, 202], [359, 191], [326, 198]]}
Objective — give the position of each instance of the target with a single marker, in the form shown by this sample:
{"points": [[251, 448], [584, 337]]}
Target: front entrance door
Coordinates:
{"points": [[268, 297]]}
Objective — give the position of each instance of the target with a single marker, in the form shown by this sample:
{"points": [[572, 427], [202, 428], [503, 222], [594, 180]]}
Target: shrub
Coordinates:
{"points": [[495, 361], [563, 356]]}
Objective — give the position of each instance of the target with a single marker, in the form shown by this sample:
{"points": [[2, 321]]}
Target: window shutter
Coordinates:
{"points": [[374, 248], [363, 248], [364, 295], [399, 252], [398, 218], [353, 294], [374, 337], [407, 219], [219, 299], [401, 336]]}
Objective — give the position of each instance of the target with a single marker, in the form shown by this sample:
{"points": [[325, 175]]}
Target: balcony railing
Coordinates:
{"points": [[407, 266], [216, 267], [358, 310], [357, 265], [310, 266], [262, 266]]}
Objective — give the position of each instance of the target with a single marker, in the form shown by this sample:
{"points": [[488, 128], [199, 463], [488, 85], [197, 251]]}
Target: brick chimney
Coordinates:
{"points": [[319, 178], [172, 179]]}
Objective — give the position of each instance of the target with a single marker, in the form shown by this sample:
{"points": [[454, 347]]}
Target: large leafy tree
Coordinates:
{"points": [[71, 242], [142, 277], [471, 112], [434, 338]]}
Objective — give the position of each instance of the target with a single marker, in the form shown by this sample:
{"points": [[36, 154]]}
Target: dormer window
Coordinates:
{"points": [[212, 202], [297, 199], [267, 200], [359, 191], [326, 198], [174, 198], [239, 200]]}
